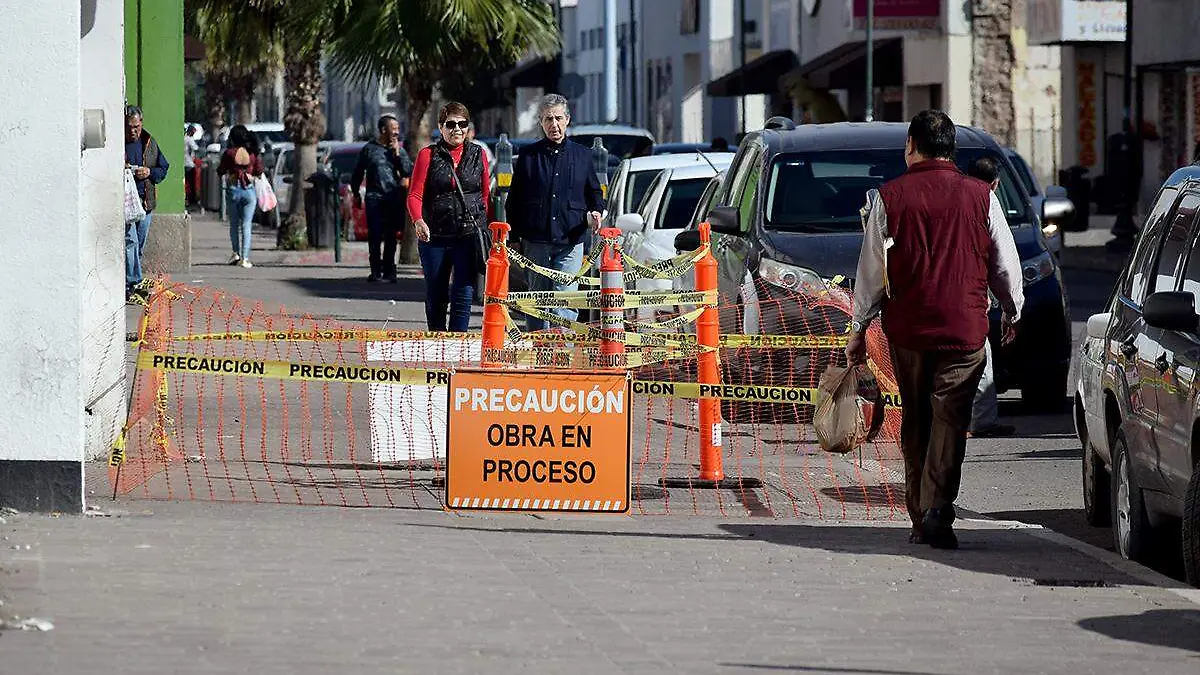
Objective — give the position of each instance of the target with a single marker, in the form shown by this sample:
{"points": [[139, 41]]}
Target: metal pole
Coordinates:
{"points": [[870, 117], [610, 61], [1123, 230], [633, 66], [742, 58]]}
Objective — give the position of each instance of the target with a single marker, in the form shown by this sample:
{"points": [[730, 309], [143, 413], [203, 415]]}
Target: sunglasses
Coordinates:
{"points": [[456, 124]]}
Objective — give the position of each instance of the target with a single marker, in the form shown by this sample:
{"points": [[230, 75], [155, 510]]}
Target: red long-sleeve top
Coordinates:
{"points": [[416, 187]]}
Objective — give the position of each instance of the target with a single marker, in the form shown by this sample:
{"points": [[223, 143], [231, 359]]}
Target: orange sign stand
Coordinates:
{"points": [[538, 441]]}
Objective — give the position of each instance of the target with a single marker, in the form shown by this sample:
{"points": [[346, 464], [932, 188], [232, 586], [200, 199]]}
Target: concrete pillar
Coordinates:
{"points": [[41, 383], [154, 82]]}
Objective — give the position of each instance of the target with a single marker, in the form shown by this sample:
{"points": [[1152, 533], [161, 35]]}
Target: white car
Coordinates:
{"points": [[1090, 421], [648, 235], [619, 139], [285, 166], [633, 178]]}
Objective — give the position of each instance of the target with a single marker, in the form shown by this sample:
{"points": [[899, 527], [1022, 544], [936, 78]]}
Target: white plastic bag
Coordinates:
{"points": [[265, 194], [839, 420], [134, 209]]}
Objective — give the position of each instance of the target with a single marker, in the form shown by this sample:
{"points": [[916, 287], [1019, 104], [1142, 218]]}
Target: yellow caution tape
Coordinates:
{"points": [[116, 456], [672, 268], [504, 180], [599, 300], [739, 392], [674, 322], [285, 370], [557, 276]]}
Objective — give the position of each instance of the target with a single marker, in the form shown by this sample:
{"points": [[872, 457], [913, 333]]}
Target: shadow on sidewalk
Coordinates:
{"points": [[822, 669], [405, 290], [1176, 628]]}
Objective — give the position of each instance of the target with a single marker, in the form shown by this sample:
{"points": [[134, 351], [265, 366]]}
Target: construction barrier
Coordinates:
{"points": [[235, 402]]}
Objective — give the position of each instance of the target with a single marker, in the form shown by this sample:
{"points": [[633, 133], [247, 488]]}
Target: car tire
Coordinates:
{"points": [[1046, 396], [1097, 490], [1132, 534], [1191, 529]]}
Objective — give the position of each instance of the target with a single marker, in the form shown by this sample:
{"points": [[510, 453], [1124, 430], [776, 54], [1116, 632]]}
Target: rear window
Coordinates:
{"points": [[823, 191], [680, 202], [639, 184]]}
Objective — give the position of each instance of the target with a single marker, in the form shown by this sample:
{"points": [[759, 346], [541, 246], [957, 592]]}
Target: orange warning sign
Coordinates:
{"points": [[538, 441]]}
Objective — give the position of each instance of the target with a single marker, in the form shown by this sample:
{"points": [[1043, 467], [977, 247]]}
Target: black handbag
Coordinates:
{"points": [[481, 236]]}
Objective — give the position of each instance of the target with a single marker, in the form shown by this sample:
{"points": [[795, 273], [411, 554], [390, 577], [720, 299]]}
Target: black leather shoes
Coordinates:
{"points": [[936, 528]]}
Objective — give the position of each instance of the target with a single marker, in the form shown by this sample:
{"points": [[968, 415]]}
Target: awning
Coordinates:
{"points": [[536, 72], [760, 76], [830, 70]]}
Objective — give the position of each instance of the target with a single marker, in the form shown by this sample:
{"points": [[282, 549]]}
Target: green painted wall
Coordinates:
{"points": [[154, 82]]}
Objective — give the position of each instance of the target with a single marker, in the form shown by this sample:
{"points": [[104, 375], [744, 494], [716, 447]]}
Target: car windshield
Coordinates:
{"points": [[618, 145], [639, 184], [680, 202], [823, 191]]}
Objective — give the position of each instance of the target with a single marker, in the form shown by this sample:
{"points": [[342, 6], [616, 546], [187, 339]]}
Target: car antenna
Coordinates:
{"points": [[709, 161]]}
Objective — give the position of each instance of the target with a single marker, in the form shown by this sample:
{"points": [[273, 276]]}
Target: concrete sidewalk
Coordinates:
{"points": [[205, 588]]}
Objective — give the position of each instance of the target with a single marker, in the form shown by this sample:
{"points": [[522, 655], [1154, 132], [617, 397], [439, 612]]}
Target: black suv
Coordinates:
{"points": [[1137, 411], [787, 218]]}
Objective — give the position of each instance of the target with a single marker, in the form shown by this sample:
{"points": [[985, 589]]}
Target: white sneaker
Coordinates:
{"points": [[235, 259], [246, 263]]}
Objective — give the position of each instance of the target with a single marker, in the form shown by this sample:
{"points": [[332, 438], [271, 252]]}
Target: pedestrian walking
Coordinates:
{"points": [[985, 413], [555, 197], [149, 166], [386, 167], [241, 163], [935, 241], [448, 202]]}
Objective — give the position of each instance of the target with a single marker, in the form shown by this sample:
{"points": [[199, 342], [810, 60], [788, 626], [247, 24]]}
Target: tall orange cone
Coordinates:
{"points": [[495, 288]]}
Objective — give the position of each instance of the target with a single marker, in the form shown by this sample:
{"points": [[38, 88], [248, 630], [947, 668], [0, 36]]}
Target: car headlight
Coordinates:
{"points": [[789, 277], [1037, 268]]}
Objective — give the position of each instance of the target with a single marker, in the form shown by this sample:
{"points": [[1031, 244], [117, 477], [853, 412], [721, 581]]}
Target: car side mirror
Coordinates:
{"points": [[688, 240], [1097, 325], [287, 180], [1171, 310], [1057, 209], [724, 220], [631, 222]]}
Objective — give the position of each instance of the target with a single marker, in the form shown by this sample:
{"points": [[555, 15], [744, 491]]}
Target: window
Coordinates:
{"points": [[747, 201], [583, 44], [1135, 286], [824, 191], [679, 202], [1191, 279], [689, 17], [707, 201], [639, 185], [1175, 243]]}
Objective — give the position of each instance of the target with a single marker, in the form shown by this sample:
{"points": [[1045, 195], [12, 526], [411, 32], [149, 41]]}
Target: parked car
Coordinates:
{"points": [[788, 220], [620, 140], [1136, 407], [284, 167], [649, 233], [680, 148], [1054, 223], [634, 176], [269, 133]]}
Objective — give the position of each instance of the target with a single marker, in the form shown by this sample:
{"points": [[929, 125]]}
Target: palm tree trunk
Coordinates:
{"points": [[305, 123], [419, 93]]}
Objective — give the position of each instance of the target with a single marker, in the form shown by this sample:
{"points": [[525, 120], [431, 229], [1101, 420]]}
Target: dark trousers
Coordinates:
{"points": [[937, 390], [385, 217], [449, 268]]}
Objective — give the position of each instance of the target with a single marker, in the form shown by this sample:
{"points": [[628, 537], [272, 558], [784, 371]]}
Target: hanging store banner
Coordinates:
{"points": [[900, 14]]}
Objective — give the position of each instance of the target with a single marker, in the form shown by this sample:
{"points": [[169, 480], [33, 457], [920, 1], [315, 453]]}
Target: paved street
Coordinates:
{"points": [[182, 586]]}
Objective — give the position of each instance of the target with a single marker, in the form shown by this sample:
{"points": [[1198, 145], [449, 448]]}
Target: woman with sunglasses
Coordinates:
{"points": [[447, 200]]}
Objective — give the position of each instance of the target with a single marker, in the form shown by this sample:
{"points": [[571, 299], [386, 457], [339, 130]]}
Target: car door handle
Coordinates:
{"points": [[1128, 348], [1161, 363]]}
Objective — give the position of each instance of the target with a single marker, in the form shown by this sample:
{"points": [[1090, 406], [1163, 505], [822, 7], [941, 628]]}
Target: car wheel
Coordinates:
{"points": [[1097, 490], [1191, 529], [1131, 527], [1046, 396]]}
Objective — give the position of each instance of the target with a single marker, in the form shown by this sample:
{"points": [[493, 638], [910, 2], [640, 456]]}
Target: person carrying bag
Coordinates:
{"points": [[448, 203]]}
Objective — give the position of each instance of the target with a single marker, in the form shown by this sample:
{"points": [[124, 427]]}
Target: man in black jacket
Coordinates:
{"points": [[387, 168], [554, 200]]}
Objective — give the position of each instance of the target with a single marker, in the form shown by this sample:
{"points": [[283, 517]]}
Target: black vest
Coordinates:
{"points": [[442, 207]]}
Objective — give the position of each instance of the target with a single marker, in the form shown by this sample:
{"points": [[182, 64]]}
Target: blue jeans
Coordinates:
{"points": [[242, 201], [440, 258], [561, 257], [135, 243]]}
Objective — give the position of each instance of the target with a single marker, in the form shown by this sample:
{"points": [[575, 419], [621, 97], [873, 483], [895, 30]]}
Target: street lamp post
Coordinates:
{"points": [[870, 117]]}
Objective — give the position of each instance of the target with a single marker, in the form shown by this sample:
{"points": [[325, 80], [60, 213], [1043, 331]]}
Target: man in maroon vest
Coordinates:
{"points": [[935, 241]]}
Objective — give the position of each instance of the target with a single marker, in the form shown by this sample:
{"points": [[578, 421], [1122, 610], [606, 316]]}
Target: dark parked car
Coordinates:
{"points": [[1136, 408], [788, 219]]}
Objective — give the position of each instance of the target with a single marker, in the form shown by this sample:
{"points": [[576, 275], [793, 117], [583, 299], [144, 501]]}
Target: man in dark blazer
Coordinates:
{"points": [[555, 199]]}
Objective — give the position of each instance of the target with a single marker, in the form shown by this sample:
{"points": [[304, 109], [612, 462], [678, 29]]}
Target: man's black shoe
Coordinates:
{"points": [[372, 278], [937, 530], [391, 279], [916, 536]]}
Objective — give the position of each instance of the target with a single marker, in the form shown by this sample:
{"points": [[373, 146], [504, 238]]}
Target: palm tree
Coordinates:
{"points": [[249, 33], [420, 43]]}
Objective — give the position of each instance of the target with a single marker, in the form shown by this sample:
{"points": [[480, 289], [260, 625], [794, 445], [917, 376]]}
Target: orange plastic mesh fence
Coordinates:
{"points": [[245, 437]]}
